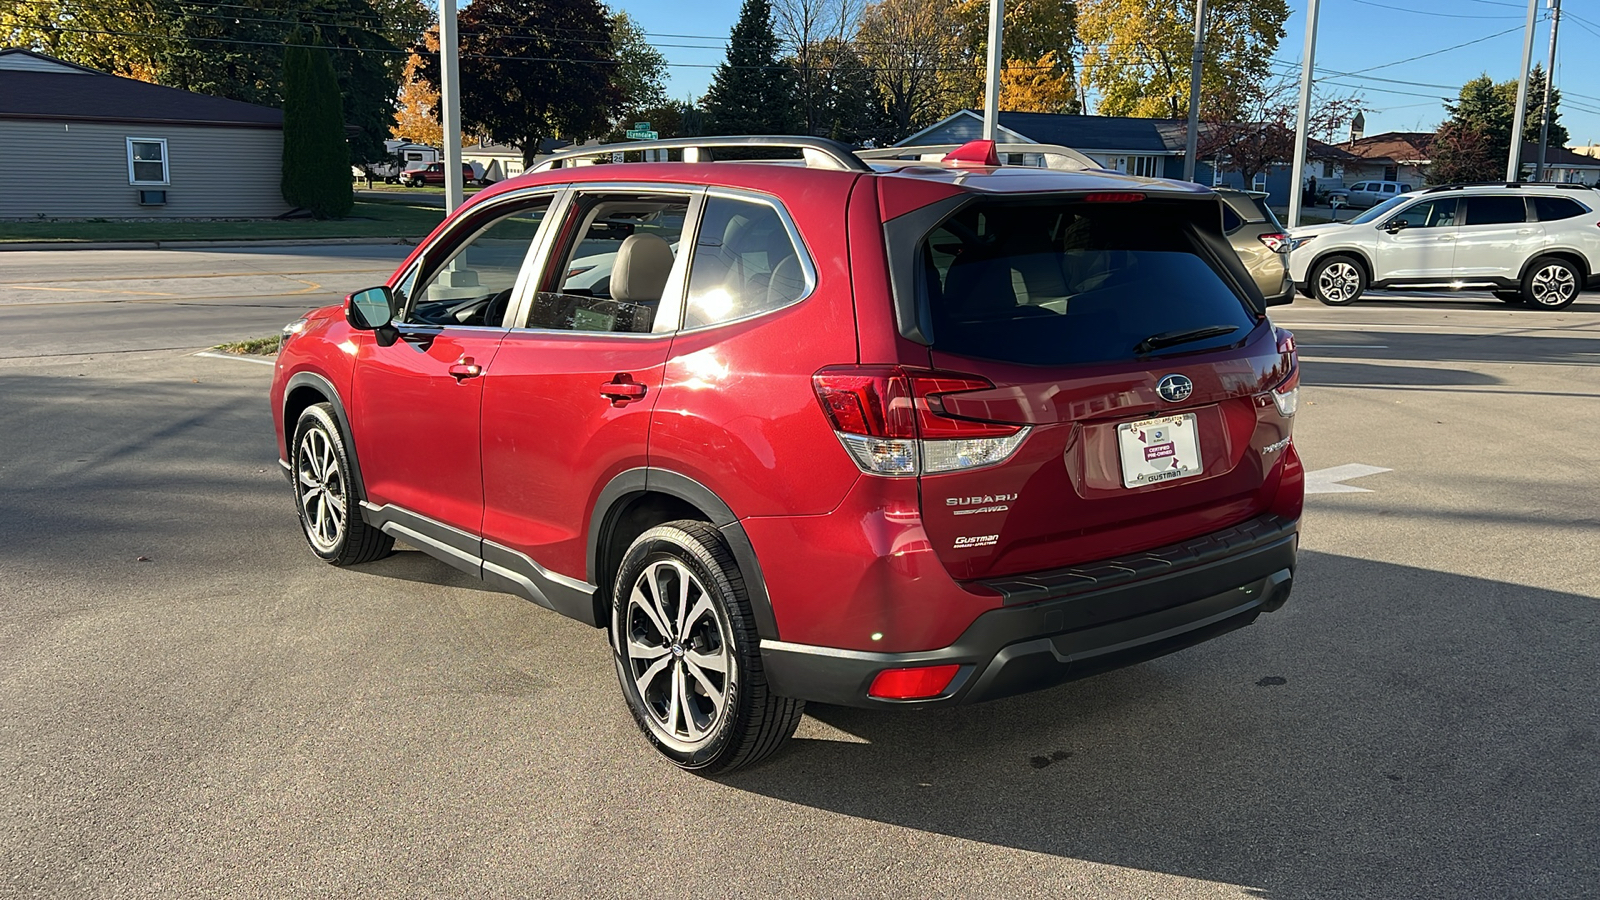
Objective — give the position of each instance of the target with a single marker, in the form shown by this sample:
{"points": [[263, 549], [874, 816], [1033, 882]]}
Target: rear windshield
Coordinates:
{"points": [[1065, 284]]}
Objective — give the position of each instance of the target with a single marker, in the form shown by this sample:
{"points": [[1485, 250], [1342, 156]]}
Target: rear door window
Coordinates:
{"points": [[1051, 283], [1492, 210]]}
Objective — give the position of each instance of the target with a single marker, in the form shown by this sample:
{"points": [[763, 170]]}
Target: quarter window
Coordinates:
{"points": [[474, 284], [745, 263], [1495, 210], [147, 161], [1550, 209]]}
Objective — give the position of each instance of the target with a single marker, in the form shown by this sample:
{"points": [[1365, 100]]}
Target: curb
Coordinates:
{"points": [[199, 244]]}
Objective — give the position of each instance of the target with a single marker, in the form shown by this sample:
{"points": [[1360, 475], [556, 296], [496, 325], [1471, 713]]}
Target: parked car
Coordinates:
{"points": [[1253, 230], [433, 173], [1530, 243], [1364, 194], [876, 433]]}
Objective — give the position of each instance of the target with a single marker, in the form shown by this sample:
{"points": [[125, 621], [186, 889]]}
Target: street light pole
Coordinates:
{"points": [[1302, 124], [1514, 164], [1192, 139], [991, 92], [1549, 76], [450, 103]]}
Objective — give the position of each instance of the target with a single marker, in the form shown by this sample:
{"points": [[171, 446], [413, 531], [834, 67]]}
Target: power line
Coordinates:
{"points": [[1427, 12]]}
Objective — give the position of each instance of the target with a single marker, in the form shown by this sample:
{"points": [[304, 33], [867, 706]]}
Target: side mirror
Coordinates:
{"points": [[373, 310], [1393, 226]]}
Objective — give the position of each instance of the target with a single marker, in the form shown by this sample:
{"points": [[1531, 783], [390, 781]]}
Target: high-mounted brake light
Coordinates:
{"points": [[893, 422], [1113, 197], [913, 684], [1275, 241]]}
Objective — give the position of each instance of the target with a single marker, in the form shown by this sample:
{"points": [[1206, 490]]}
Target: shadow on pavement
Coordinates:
{"points": [[1393, 732]]}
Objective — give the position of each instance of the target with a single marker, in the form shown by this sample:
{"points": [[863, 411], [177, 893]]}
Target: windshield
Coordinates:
{"points": [[1381, 210]]}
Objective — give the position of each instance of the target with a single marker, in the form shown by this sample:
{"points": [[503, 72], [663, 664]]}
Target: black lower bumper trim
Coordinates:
{"points": [[1016, 649]]}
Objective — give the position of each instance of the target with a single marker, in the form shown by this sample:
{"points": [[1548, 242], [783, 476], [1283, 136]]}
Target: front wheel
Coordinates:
{"points": [[1551, 283], [1338, 281], [687, 653], [329, 503]]}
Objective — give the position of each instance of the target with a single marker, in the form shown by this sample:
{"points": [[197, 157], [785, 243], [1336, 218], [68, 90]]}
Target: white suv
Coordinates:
{"points": [[1537, 244]]}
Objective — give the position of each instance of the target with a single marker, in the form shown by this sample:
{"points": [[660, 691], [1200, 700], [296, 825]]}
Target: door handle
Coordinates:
{"points": [[1525, 231], [622, 390], [465, 368]]}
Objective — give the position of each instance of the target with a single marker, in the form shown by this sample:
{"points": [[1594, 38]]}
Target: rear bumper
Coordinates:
{"points": [[1060, 626]]}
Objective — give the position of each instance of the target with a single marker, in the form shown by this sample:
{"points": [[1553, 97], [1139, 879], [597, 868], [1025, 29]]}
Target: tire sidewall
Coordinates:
{"points": [[319, 418], [727, 596], [1316, 277]]}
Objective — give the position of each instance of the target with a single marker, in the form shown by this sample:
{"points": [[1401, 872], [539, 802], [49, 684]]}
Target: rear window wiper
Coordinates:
{"points": [[1173, 338]]}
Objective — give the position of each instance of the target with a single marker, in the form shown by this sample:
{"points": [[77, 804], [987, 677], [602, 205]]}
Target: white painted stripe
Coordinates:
{"points": [[1326, 481], [1343, 346], [260, 360]]}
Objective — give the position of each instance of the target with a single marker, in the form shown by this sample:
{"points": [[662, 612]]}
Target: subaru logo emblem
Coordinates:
{"points": [[1175, 388]]}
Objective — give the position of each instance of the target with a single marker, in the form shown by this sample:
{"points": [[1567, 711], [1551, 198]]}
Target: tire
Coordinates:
{"points": [[327, 500], [1512, 297], [1551, 283], [1337, 281], [668, 673]]}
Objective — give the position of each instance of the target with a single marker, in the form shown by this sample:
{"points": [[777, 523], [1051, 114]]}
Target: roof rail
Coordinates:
{"points": [[1506, 184], [1055, 155], [818, 152]]}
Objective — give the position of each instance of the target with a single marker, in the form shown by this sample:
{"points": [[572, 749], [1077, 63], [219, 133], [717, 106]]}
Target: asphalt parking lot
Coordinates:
{"points": [[192, 706]]}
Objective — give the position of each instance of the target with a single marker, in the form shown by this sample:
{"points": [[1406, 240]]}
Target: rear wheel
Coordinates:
{"points": [[329, 504], [1337, 281], [1551, 283], [687, 654]]}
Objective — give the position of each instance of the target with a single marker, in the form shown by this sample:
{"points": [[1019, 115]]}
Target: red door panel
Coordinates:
{"points": [[416, 423], [552, 439]]}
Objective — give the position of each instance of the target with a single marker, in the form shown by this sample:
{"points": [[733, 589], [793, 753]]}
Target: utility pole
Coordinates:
{"points": [[991, 93], [1193, 138], [450, 103], [1514, 164], [1549, 76], [1302, 124]]}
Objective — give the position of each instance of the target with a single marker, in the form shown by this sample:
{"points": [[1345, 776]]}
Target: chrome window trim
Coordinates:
{"points": [[672, 296], [424, 259], [802, 250]]}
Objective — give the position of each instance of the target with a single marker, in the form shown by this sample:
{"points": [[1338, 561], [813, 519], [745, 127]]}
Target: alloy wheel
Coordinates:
{"points": [[1339, 282], [677, 647], [1553, 285], [322, 489]]}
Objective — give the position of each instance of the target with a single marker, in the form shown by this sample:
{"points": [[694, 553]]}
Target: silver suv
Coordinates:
{"points": [[1537, 244]]}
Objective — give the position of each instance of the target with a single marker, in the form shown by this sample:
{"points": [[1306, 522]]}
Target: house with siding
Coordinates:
{"points": [[1135, 146], [98, 145]]}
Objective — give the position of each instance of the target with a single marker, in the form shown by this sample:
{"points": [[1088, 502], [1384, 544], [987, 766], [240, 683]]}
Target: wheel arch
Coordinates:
{"points": [[1359, 256], [305, 389], [1564, 254], [641, 498]]}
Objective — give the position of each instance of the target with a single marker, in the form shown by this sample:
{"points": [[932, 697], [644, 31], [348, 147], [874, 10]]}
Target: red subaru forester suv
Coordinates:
{"points": [[877, 432]]}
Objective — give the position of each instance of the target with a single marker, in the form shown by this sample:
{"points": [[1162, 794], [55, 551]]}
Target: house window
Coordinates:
{"points": [[1391, 173], [147, 161], [1259, 182], [1327, 169], [1144, 166]]}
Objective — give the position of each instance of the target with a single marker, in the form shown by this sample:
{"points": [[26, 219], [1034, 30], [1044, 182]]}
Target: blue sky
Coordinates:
{"points": [[1371, 36]]}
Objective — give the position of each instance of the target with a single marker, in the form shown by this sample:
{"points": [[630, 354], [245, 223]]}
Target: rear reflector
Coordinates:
{"points": [[1113, 197], [893, 422], [913, 684]]}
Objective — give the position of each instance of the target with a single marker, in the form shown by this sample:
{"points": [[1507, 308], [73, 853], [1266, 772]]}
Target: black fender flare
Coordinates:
{"points": [[1563, 253], [613, 499], [324, 387], [1358, 255]]}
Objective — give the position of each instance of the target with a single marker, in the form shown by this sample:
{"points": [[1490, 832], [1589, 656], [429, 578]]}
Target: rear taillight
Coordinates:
{"points": [[1276, 241], [1286, 396], [913, 684], [892, 421]]}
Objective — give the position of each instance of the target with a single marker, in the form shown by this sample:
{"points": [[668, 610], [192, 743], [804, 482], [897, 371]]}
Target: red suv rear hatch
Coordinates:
{"points": [[1098, 382]]}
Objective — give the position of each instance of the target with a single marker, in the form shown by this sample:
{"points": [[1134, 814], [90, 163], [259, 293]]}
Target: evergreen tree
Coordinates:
{"points": [[316, 156], [753, 91]]}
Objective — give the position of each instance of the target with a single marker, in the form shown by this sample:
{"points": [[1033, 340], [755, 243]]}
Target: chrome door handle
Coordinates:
{"points": [[465, 368], [1526, 231]]}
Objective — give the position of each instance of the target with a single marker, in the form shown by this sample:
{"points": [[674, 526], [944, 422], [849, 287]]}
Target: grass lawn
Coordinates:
{"points": [[370, 218]]}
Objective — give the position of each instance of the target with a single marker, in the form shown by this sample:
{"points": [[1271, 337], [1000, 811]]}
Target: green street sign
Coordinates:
{"points": [[641, 134]]}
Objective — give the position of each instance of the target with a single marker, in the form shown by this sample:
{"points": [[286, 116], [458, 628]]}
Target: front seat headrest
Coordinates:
{"points": [[640, 272]]}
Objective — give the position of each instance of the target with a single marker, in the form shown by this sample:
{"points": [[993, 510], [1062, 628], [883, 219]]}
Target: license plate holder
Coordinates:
{"points": [[1159, 450]]}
